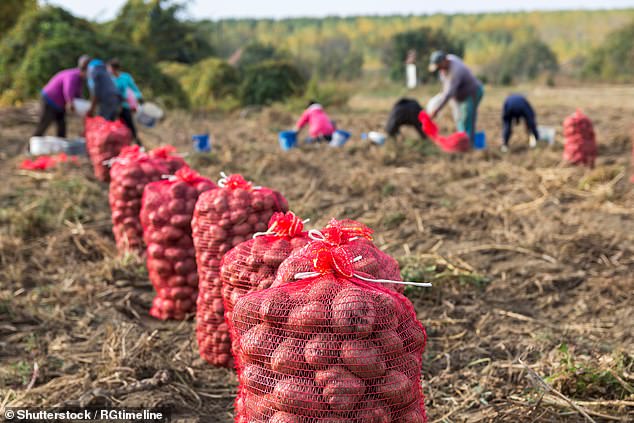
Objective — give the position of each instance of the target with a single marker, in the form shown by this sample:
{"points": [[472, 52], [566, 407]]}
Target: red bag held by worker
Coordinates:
{"points": [[328, 347], [224, 218], [458, 142], [251, 266], [104, 140], [166, 214], [580, 146], [131, 171], [356, 239]]}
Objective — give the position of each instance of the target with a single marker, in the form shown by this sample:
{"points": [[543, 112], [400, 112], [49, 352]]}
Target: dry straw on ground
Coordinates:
{"points": [[530, 317]]}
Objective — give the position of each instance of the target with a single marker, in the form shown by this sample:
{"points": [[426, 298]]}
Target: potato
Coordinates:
{"points": [[409, 364], [171, 234], [308, 319], [275, 307], [353, 313], [342, 390], [362, 358], [282, 417], [389, 342], [298, 395], [258, 406], [374, 413], [185, 267], [259, 342], [288, 358], [181, 221], [390, 312], [413, 416], [322, 351], [324, 289], [156, 251], [257, 379], [277, 252], [413, 335], [397, 388]]}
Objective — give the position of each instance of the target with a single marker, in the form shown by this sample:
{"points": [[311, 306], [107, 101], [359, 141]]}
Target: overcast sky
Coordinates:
{"points": [[214, 9]]}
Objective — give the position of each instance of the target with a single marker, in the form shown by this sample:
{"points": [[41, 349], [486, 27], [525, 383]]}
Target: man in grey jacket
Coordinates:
{"points": [[459, 84]]}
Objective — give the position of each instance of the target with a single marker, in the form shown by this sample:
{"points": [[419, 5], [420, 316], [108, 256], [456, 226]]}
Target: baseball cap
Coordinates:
{"points": [[435, 59]]}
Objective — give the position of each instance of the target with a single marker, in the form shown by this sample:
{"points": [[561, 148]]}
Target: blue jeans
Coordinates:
{"points": [[468, 113]]}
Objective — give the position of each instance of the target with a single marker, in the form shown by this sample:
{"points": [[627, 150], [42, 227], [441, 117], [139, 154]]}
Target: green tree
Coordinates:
{"points": [[522, 61], [256, 53], [338, 60], [424, 41], [614, 59], [155, 27], [11, 10], [271, 81], [209, 84]]}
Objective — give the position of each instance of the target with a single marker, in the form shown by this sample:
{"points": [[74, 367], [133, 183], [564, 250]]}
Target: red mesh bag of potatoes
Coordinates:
{"points": [[224, 218], [166, 213], [580, 146], [251, 266], [104, 140], [131, 170], [329, 347], [356, 238], [167, 154]]}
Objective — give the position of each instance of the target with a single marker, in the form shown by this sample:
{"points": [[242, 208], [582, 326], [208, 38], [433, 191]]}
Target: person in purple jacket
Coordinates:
{"points": [[58, 94]]}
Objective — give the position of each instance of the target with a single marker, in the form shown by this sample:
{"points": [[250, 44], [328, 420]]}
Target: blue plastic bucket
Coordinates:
{"points": [[287, 139], [480, 141], [339, 138], [202, 143]]}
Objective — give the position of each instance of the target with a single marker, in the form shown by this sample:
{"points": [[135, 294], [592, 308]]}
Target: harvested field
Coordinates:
{"points": [[531, 317]]}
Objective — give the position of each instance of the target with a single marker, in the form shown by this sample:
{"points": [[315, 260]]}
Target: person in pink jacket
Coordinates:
{"points": [[320, 127]]}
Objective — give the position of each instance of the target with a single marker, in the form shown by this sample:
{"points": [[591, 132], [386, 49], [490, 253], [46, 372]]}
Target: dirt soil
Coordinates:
{"points": [[530, 318]]}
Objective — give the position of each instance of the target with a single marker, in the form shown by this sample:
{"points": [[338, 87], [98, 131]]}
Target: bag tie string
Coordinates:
{"points": [[328, 258], [284, 225]]}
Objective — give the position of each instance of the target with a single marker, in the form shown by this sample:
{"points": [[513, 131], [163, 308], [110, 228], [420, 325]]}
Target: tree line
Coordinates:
{"points": [[227, 63]]}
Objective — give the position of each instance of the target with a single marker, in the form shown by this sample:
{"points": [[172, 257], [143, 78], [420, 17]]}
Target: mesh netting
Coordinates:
{"points": [[356, 238], [166, 214], [224, 218], [580, 145], [167, 154], [251, 266], [328, 348], [104, 140], [129, 174]]}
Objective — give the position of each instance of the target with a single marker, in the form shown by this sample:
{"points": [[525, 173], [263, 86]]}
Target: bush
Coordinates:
{"points": [[49, 39], [614, 59], [522, 61], [271, 81], [327, 94], [209, 84], [256, 53], [424, 41], [337, 60]]}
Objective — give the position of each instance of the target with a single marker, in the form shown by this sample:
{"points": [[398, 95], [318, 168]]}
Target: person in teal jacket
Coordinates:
{"points": [[125, 82]]}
